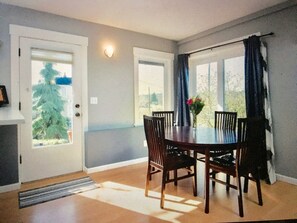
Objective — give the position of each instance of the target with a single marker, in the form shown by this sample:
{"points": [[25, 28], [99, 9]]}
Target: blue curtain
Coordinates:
{"points": [[182, 109], [254, 89], [254, 77]]}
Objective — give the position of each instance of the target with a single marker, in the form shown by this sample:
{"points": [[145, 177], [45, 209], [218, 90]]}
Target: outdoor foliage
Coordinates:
{"points": [[48, 121]]}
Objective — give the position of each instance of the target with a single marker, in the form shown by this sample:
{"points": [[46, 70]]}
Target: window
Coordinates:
{"points": [[218, 77], [234, 93], [153, 82]]}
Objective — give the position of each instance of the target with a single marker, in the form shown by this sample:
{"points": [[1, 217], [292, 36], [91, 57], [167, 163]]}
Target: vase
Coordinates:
{"points": [[194, 124]]}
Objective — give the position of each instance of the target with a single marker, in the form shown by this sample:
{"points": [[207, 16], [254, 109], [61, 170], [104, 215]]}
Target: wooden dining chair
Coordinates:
{"points": [[246, 163], [161, 160], [168, 117], [226, 121], [169, 121]]}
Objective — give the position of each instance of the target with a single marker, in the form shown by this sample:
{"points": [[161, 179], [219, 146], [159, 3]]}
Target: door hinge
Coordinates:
{"points": [[19, 52], [20, 159], [20, 106]]}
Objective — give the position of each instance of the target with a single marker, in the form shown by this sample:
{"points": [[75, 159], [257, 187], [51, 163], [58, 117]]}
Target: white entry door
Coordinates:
{"points": [[50, 100]]}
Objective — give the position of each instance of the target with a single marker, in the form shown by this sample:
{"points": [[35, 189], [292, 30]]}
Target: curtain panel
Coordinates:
{"points": [[182, 109], [268, 120], [257, 101]]}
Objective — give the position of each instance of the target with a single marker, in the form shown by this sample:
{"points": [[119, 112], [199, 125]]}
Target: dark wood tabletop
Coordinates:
{"points": [[201, 140]]}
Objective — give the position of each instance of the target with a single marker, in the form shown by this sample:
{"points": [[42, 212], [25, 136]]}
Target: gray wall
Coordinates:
{"points": [[109, 79], [119, 145], [282, 62]]}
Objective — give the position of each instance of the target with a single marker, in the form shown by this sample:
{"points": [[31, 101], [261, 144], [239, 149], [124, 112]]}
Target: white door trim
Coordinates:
{"points": [[16, 32]]}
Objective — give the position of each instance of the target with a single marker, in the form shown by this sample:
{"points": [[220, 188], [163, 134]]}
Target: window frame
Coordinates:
{"points": [[153, 56]]}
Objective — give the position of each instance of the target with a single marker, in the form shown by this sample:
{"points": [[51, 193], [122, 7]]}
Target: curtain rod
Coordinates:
{"points": [[225, 44]]}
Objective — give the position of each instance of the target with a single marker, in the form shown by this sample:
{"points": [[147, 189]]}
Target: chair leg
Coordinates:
{"points": [[259, 189], [259, 192], [240, 205], [228, 182], [148, 178], [164, 175], [213, 175], [175, 177], [151, 169], [246, 185], [168, 175], [195, 181], [195, 155]]}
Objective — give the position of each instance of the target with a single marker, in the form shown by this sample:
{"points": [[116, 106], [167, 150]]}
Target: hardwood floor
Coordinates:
{"points": [[120, 198]]}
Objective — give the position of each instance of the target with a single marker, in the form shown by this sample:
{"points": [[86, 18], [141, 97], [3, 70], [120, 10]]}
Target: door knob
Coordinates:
{"points": [[77, 105], [77, 114]]}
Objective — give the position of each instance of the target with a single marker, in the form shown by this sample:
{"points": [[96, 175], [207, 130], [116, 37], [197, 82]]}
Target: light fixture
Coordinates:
{"points": [[108, 51]]}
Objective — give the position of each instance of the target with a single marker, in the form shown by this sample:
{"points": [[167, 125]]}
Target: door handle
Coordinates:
{"points": [[77, 114]]}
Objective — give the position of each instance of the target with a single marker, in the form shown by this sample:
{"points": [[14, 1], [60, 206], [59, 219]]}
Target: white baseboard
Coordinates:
{"points": [[286, 179], [10, 187], [115, 165]]}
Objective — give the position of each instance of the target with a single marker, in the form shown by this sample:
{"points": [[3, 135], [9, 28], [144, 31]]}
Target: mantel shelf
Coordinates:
{"points": [[9, 116]]}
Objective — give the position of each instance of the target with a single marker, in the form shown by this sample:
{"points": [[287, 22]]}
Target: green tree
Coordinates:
{"points": [[154, 98], [48, 122]]}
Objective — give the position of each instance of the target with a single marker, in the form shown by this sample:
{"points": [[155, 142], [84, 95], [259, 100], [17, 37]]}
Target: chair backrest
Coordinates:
{"points": [[168, 115], [225, 120], [251, 135], [154, 133]]}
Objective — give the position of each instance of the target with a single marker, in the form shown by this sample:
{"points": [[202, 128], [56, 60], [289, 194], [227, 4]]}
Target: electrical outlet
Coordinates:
{"points": [[144, 143]]}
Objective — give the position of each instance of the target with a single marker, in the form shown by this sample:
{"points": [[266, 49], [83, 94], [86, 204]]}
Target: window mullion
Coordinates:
{"points": [[220, 90]]}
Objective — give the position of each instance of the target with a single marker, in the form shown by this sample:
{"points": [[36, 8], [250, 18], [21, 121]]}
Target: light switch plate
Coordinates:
{"points": [[93, 100]]}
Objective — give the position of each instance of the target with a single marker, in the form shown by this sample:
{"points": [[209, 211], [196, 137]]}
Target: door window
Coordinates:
{"points": [[52, 104]]}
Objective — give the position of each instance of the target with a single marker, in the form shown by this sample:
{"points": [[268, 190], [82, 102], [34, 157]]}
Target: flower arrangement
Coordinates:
{"points": [[196, 105]]}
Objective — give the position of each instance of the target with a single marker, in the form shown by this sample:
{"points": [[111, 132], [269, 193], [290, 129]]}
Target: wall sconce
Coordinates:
{"points": [[108, 51]]}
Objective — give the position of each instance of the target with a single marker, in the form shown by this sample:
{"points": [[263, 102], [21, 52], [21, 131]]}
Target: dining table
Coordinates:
{"points": [[201, 140]]}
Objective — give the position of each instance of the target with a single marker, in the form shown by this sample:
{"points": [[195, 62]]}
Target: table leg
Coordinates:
{"points": [[206, 188]]}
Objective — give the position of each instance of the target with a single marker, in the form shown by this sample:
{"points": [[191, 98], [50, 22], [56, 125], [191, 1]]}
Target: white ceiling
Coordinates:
{"points": [[170, 19]]}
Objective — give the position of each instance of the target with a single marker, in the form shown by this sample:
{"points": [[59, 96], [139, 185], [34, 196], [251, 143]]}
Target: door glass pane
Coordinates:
{"points": [[206, 87], [234, 86], [51, 103], [151, 88]]}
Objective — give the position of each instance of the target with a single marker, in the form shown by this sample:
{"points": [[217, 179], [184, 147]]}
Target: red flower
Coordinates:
{"points": [[190, 101]]}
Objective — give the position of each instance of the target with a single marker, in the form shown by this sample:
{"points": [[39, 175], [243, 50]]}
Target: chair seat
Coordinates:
{"points": [[225, 160], [220, 153], [177, 160]]}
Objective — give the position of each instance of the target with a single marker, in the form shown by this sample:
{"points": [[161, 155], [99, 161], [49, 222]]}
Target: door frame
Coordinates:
{"points": [[16, 32]]}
